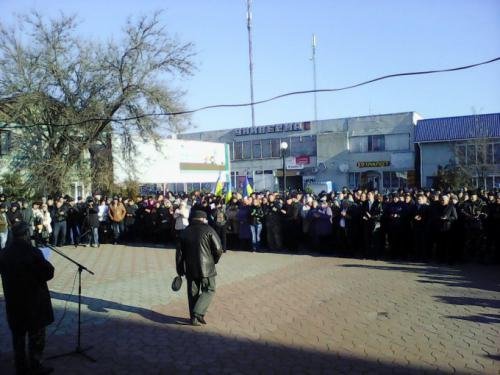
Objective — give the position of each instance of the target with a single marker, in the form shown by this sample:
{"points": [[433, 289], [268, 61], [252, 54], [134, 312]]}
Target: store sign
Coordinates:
{"points": [[302, 160], [373, 164], [279, 128], [292, 164]]}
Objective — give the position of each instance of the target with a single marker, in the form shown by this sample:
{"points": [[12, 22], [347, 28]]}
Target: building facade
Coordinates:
{"points": [[373, 151], [471, 142]]}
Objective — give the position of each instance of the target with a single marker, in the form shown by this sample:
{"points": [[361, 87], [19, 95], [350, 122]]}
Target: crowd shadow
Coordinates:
{"points": [[478, 277], [130, 346]]}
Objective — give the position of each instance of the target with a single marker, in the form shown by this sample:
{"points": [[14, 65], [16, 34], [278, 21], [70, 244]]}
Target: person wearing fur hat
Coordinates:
{"points": [[197, 254]]}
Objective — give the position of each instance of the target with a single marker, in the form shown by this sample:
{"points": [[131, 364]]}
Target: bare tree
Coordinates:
{"points": [[61, 92]]}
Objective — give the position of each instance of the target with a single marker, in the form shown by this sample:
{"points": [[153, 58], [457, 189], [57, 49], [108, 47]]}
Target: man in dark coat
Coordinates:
{"points": [[447, 217], [25, 273], [370, 215], [273, 220], [199, 251], [292, 223], [474, 212]]}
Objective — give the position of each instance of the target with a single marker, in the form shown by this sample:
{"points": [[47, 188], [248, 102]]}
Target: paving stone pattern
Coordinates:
{"points": [[273, 314]]}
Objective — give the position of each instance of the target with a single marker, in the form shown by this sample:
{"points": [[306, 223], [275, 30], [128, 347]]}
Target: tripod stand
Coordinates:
{"points": [[78, 350]]}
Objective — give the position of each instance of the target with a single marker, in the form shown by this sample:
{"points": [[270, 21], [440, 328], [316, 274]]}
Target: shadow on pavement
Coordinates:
{"points": [[102, 306], [133, 346], [480, 277], [481, 318]]}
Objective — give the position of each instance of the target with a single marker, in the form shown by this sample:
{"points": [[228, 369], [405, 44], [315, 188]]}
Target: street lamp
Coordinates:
{"points": [[283, 147]]}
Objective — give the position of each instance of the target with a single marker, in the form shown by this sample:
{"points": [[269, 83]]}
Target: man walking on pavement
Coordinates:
{"points": [[197, 254]]}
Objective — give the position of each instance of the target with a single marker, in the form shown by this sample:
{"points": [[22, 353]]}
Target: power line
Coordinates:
{"points": [[293, 93]]}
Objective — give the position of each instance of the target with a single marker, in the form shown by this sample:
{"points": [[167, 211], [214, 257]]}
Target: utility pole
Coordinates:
{"points": [[314, 77], [249, 26]]}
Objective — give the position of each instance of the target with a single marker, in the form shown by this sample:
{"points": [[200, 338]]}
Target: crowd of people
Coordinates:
{"points": [[422, 225]]}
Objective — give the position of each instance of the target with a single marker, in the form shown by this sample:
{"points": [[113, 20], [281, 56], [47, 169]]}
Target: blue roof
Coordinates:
{"points": [[458, 128]]}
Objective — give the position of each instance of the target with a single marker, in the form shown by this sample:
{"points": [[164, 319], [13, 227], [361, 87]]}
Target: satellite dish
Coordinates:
{"points": [[343, 167]]}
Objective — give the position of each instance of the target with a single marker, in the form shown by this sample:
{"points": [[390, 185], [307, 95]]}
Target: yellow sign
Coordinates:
{"points": [[373, 164]]}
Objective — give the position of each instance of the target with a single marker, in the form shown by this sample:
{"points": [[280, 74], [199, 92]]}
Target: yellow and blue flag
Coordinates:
{"points": [[229, 192], [218, 187], [247, 188]]}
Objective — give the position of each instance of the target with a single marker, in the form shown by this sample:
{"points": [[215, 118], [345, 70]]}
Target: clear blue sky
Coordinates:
{"points": [[357, 40]]}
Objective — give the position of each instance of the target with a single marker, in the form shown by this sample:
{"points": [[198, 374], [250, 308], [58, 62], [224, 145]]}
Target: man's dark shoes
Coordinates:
{"points": [[202, 320], [195, 321]]}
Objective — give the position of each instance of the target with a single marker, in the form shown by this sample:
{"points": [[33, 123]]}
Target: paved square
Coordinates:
{"points": [[274, 314]]}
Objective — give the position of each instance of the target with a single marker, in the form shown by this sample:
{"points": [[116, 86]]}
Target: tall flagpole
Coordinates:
{"points": [[249, 26], [314, 76]]}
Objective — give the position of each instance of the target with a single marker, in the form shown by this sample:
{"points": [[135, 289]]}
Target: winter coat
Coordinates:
{"points": [[243, 217], [117, 212], [320, 221], [200, 250], [181, 216], [25, 273]]}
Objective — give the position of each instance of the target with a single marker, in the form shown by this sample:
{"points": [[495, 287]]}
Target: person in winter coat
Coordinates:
{"points": [[245, 233], [256, 218], [181, 217], [25, 273], [320, 227], [117, 214], [199, 251], [14, 215], [447, 217]]}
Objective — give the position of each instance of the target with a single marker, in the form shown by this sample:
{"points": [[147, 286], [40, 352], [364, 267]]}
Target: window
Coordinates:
{"points": [[496, 151], [376, 143], [266, 148], [231, 151], [247, 150], [471, 154], [354, 178], [489, 182], [397, 142], [257, 150], [238, 150], [461, 151], [429, 181], [275, 148], [358, 144], [305, 145], [395, 180], [481, 154], [489, 153]]}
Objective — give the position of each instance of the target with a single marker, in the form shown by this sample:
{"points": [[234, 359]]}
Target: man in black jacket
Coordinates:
{"points": [[371, 213], [199, 251], [25, 273]]}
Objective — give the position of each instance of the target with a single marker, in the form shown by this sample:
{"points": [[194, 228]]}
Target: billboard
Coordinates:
{"points": [[171, 161]]}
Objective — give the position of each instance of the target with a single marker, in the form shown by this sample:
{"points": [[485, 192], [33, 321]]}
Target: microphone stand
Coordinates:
{"points": [[78, 350]]}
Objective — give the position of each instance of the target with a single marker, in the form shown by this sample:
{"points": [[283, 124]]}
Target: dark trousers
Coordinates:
{"points": [[74, 234], [36, 345], [118, 229], [371, 237], [200, 294], [59, 233], [274, 238], [293, 230], [222, 232], [443, 248], [421, 242]]}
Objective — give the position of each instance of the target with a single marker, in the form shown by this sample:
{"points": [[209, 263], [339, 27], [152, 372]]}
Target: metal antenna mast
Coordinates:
{"points": [[249, 26], [314, 77]]}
